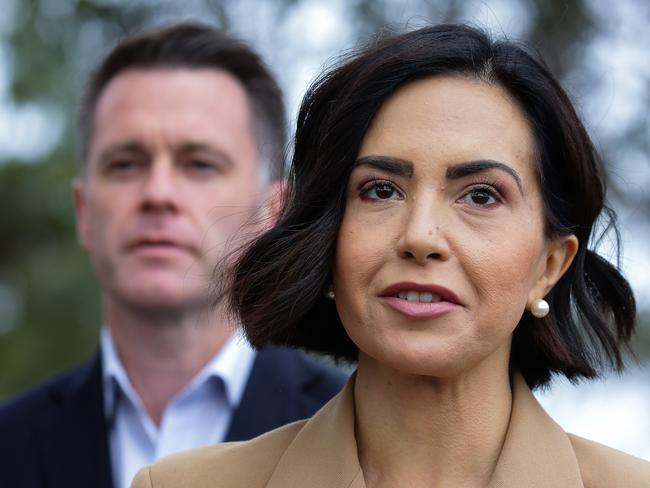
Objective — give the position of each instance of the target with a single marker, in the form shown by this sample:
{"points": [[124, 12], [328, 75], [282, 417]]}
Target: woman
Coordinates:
{"points": [[442, 196]]}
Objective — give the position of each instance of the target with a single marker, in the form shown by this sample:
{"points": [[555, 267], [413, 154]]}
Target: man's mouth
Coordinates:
{"points": [[159, 247], [151, 243]]}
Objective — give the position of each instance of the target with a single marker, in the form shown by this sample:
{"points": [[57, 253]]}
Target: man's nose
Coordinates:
{"points": [[423, 236], [160, 190]]}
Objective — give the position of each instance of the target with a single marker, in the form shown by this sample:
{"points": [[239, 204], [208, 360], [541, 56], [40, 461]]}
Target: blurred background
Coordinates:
{"points": [[49, 302]]}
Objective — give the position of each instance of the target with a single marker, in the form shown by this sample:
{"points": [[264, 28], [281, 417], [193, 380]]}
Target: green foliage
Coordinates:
{"points": [[55, 300]]}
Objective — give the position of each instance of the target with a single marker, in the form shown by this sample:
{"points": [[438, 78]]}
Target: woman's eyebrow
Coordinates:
{"points": [[390, 165], [471, 167]]}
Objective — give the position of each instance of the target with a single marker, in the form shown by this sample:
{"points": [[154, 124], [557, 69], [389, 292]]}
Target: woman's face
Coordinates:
{"points": [[442, 245]]}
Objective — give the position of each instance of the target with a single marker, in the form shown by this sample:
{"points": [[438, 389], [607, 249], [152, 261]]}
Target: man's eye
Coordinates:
{"points": [[201, 165], [122, 166], [380, 190]]}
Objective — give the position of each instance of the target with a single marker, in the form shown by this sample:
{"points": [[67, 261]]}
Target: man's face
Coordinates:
{"points": [[171, 177]]}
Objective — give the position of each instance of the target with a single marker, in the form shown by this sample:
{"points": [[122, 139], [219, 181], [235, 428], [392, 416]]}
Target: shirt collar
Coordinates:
{"points": [[231, 365]]}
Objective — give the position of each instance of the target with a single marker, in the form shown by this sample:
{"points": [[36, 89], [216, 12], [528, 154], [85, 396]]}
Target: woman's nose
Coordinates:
{"points": [[424, 238]]}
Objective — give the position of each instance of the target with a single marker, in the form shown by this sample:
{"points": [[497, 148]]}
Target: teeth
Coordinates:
{"points": [[426, 297], [414, 296]]}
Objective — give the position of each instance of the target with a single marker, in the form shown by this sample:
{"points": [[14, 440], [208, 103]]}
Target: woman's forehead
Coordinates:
{"points": [[451, 119]]}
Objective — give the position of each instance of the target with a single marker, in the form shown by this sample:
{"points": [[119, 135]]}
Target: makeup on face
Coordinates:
{"points": [[442, 238]]}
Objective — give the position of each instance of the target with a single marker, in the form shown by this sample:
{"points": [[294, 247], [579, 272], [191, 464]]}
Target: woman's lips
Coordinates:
{"points": [[419, 300], [419, 309]]}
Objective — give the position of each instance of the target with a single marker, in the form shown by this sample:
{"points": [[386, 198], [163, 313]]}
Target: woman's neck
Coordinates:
{"points": [[422, 431]]}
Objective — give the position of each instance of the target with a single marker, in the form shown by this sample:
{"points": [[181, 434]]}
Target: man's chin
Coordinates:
{"points": [[163, 295]]}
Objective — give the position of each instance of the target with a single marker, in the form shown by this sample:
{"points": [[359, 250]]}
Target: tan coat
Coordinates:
{"points": [[322, 453]]}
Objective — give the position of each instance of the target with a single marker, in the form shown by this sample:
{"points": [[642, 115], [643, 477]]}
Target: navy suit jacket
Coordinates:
{"points": [[56, 434]]}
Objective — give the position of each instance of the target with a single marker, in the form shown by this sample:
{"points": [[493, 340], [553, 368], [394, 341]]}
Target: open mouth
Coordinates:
{"points": [[415, 296], [419, 301], [416, 292]]}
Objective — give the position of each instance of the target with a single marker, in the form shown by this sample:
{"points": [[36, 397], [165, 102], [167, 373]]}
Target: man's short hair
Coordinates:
{"points": [[194, 45]]}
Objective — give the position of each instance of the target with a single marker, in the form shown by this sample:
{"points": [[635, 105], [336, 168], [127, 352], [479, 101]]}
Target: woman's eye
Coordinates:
{"points": [[380, 190], [481, 197]]}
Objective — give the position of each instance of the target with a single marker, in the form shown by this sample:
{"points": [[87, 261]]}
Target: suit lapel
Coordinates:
{"points": [[74, 439], [271, 397], [537, 453], [324, 453]]}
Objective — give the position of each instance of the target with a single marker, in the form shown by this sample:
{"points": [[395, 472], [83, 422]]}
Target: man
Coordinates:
{"points": [[182, 138]]}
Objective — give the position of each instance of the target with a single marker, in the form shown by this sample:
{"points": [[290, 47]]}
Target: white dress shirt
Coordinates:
{"points": [[198, 416]]}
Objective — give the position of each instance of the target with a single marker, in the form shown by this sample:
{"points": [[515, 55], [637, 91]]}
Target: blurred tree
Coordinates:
{"points": [[49, 303]]}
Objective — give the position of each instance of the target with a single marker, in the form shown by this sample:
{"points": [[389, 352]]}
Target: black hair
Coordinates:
{"points": [[279, 282]]}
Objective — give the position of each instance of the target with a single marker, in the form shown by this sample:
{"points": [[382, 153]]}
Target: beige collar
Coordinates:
{"points": [[536, 453]]}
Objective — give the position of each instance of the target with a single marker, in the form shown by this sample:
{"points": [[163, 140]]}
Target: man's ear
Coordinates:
{"points": [[560, 254], [79, 198], [274, 199]]}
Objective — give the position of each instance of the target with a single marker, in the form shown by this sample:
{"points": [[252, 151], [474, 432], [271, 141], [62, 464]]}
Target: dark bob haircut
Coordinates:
{"points": [[280, 280], [191, 45]]}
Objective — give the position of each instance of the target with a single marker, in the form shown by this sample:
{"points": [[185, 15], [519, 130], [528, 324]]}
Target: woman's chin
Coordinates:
{"points": [[416, 362], [435, 360]]}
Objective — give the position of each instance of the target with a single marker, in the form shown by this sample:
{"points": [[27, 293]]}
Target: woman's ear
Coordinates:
{"points": [[559, 256]]}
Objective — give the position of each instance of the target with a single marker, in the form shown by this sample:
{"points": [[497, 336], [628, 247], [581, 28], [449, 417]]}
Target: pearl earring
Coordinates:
{"points": [[540, 308], [330, 294]]}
